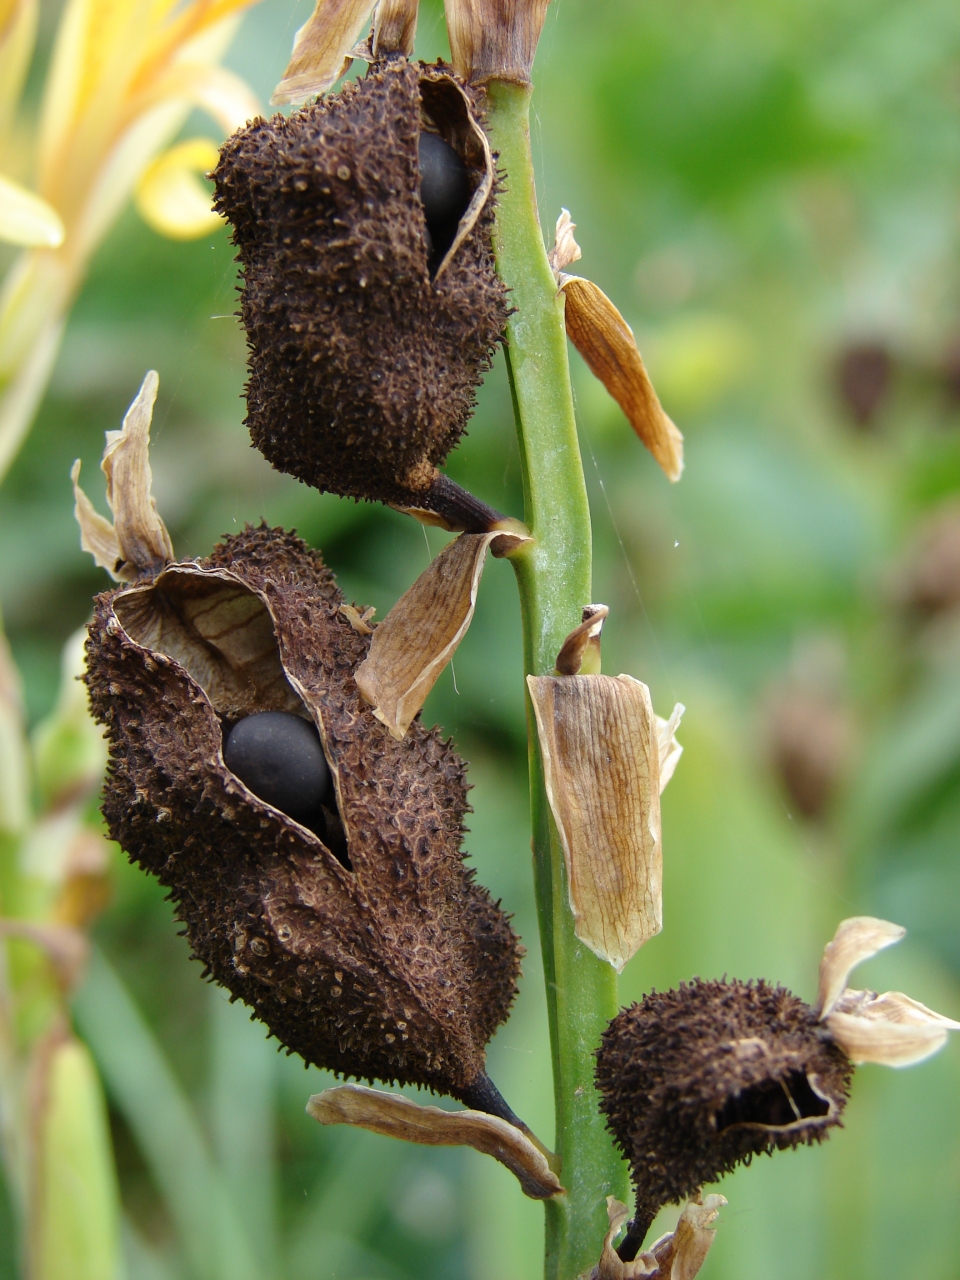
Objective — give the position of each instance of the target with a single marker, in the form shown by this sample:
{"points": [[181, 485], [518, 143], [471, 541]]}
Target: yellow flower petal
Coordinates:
{"points": [[18, 29], [26, 219], [170, 196], [223, 95]]}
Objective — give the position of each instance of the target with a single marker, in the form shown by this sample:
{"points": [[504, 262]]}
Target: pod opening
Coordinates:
{"points": [[774, 1103], [223, 636]]}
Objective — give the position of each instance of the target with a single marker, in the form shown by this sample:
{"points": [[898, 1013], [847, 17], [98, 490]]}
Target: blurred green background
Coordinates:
{"points": [[770, 192]]}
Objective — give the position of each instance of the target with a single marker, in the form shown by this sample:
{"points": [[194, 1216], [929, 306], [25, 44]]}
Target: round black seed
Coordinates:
{"points": [[444, 189], [279, 757]]}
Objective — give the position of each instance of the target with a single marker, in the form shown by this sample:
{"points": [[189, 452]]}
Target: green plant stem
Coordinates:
{"points": [[554, 577]]}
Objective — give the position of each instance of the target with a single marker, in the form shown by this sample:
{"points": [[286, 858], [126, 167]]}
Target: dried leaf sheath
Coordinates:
{"points": [[601, 756], [363, 369], [397, 967]]}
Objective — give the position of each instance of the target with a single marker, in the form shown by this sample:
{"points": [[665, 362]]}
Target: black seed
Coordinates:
{"points": [[444, 190], [279, 757]]}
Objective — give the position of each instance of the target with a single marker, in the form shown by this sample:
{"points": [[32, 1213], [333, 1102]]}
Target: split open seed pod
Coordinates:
{"points": [[367, 333], [351, 926], [694, 1081], [361, 940]]}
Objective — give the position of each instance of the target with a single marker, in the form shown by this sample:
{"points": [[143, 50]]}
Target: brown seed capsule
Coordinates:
{"points": [[696, 1080], [364, 357], [370, 951]]}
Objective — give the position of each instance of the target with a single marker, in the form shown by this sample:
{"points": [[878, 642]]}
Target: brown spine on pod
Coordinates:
{"points": [[372, 953], [694, 1081], [363, 368]]}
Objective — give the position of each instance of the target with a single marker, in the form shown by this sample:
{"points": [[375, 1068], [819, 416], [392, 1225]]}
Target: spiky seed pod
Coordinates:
{"points": [[363, 363], [694, 1081], [373, 954]]}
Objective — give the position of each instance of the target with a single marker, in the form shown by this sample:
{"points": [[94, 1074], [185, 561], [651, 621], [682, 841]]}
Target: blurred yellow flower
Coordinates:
{"points": [[123, 76]]}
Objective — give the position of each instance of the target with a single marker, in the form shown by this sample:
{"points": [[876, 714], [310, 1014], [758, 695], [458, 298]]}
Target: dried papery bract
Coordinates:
{"points": [[420, 634], [394, 28], [856, 939], [583, 642], [678, 1255], [395, 1116], [600, 742], [606, 342], [320, 49], [137, 542], [494, 39], [364, 355], [890, 1029], [694, 1081]]}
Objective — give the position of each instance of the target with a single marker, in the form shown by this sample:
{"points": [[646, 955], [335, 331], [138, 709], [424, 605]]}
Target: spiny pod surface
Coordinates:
{"points": [[368, 329], [367, 948], [695, 1080]]}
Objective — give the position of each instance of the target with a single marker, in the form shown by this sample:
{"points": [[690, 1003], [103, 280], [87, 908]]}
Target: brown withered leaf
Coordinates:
{"points": [[605, 340], [137, 542], [494, 39], [320, 49], [420, 634], [398, 1117], [601, 756]]}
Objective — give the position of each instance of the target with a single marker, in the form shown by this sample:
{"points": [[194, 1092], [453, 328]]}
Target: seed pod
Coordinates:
{"points": [[364, 356], [370, 952], [696, 1080]]}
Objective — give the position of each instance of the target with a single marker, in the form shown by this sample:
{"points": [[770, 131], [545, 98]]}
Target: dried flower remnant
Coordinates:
{"points": [[694, 1081], [361, 941], [364, 351], [420, 634], [889, 1029], [137, 541], [678, 1255], [489, 39], [494, 39], [606, 342], [606, 759], [395, 1116]]}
